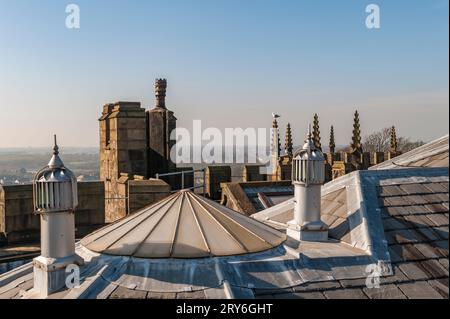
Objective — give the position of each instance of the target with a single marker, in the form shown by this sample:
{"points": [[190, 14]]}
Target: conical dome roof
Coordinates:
{"points": [[184, 225]]}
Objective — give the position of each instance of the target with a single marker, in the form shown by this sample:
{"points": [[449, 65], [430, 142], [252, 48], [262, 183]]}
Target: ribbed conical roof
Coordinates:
{"points": [[184, 225]]}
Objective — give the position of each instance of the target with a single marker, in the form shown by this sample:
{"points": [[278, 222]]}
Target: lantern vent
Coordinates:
{"points": [[55, 187]]}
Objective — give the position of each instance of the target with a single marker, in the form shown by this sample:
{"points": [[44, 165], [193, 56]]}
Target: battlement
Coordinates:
{"points": [[19, 223]]}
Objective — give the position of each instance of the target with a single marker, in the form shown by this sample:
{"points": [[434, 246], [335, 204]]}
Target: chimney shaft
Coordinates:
{"points": [[55, 199], [308, 176], [160, 92]]}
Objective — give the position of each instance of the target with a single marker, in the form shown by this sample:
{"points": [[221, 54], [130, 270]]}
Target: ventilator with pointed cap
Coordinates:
{"points": [[308, 175], [55, 199]]}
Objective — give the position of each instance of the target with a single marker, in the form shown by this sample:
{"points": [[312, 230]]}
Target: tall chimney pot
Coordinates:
{"points": [[308, 176], [55, 199], [160, 92]]}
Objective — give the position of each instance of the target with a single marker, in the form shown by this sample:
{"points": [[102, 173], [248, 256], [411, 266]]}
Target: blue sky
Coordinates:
{"points": [[229, 63]]}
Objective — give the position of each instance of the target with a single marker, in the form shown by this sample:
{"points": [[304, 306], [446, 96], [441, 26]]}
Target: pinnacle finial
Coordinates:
{"points": [[55, 147], [316, 132], [275, 144], [394, 141], [55, 161], [356, 146], [332, 144], [288, 140]]}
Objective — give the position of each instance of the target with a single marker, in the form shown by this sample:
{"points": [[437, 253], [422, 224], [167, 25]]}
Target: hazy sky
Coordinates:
{"points": [[229, 63]]}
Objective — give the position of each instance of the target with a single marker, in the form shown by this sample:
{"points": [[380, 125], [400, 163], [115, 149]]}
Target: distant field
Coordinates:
{"points": [[21, 164]]}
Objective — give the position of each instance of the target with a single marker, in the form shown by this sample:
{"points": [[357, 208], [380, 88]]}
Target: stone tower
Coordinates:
{"points": [[134, 146], [161, 122], [316, 133], [123, 149]]}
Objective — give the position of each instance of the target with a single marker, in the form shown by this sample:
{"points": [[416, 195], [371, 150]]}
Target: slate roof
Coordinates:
{"points": [[433, 154], [397, 219], [252, 197], [414, 208]]}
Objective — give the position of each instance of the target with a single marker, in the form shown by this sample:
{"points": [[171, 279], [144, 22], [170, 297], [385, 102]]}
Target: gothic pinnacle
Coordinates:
{"points": [[316, 132]]}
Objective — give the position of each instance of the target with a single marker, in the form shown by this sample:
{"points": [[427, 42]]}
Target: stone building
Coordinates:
{"points": [[338, 163], [135, 146], [256, 192]]}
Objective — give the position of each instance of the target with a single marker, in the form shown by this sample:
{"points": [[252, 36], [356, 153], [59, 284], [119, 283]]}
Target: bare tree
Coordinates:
{"points": [[406, 145], [378, 141], [381, 142]]}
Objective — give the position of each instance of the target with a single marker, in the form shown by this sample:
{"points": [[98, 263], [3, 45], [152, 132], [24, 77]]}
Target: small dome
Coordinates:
{"points": [[55, 186], [308, 164], [309, 152], [311, 155], [184, 225]]}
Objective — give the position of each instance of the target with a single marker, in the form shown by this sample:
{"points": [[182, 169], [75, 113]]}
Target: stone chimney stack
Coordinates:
{"points": [[160, 124], [160, 92], [308, 176], [55, 199]]}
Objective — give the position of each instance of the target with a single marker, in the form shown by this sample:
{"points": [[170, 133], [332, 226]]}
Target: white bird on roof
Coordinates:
{"points": [[275, 116]]}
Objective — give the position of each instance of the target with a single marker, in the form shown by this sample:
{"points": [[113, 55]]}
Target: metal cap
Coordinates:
{"points": [[55, 186]]}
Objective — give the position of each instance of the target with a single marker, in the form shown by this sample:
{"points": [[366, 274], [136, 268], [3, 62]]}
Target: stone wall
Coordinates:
{"points": [[214, 176], [132, 193], [234, 197], [252, 173], [142, 193], [123, 149], [18, 223]]}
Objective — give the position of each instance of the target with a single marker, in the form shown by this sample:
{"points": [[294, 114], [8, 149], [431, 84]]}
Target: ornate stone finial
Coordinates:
{"points": [[275, 124], [332, 144], [160, 92], [356, 146], [288, 140], [276, 146], [316, 132], [394, 141]]}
